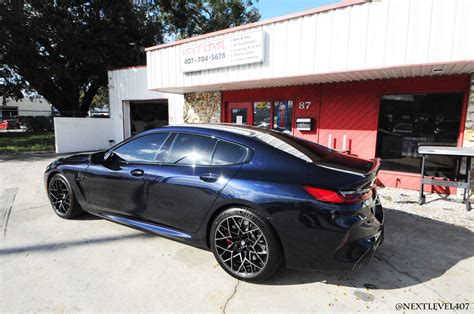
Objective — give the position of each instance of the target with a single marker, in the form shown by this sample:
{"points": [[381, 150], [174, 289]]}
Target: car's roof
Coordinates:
{"points": [[273, 138], [248, 131]]}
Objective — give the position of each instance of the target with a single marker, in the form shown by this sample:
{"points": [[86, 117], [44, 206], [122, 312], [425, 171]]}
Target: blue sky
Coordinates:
{"points": [[274, 8]]}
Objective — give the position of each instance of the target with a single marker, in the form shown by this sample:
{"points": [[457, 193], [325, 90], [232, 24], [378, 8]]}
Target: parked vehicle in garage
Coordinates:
{"points": [[257, 198]]}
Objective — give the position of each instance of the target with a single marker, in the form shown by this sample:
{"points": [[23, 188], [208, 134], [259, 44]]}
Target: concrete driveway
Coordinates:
{"points": [[89, 264]]}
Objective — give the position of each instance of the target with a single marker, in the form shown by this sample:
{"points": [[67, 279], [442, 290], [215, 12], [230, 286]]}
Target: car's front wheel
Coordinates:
{"points": [[245, 245], [62, 198]]}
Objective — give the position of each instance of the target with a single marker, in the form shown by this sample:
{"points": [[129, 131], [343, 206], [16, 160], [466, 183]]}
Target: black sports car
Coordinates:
{"points": [[257, 198]]}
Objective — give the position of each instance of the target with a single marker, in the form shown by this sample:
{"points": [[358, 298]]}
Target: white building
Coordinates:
{"points": [[133, 108], [37, 106]]}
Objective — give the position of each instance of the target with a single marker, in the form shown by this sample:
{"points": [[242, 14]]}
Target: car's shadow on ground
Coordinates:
{"points": [[415, 250], [87, 216]]}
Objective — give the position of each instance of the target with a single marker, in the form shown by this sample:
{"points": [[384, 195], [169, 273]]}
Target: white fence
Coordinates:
{"points": [[83, 134]]}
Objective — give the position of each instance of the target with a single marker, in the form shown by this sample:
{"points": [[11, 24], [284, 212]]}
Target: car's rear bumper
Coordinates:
{"points": [[368, 253], [332, 239], [355, 253]]}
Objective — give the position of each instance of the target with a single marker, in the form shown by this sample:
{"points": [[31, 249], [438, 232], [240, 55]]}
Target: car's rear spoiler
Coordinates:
{"points": [[376, 162]]}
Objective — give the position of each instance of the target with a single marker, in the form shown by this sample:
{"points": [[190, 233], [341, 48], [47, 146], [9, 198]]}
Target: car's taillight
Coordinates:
{"points": [[352, 197], [324, 195], [343, 197]]}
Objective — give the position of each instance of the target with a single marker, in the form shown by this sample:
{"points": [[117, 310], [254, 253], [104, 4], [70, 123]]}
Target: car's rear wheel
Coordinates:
{"points": [[62, 198], [245, 245]]}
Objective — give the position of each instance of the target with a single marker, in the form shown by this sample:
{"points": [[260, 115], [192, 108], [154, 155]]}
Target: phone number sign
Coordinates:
{"points": [[227, 51]]}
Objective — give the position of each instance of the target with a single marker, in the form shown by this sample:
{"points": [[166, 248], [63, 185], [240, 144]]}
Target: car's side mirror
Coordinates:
{"points": [[108, 156], [113, 161], [98, 158], [111, 157]]}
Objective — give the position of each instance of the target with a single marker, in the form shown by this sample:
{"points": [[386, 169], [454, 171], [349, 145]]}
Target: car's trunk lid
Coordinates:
{"points": [[349, 164], [343, 172]]}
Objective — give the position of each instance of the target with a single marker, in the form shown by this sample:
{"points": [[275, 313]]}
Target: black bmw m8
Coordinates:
{"points": [[258, 199]]}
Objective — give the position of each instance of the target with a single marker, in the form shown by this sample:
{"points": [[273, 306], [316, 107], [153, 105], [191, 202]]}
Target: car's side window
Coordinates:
{"points": [[227, 153], [191, 149], [142, 149], [164, 151]]}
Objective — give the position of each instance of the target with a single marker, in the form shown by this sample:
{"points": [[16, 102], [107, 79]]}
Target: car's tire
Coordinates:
{"points": [[245, 245], [62, 198]]}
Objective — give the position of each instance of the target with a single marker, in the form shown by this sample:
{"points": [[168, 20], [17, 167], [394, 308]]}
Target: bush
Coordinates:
{"points": [[37, 123]]}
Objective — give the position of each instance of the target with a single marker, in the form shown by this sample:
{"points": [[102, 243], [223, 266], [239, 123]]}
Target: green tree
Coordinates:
{"points": [[12, 85], [101, 99], [188, 18], [63, 49]]}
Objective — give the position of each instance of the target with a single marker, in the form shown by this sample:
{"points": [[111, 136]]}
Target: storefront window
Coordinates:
{"points": [[282, 115], [261, 114], [407, 121]]}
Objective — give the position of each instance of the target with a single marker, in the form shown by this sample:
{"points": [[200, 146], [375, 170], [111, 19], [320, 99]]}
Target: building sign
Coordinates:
{"points": [[226, 51]]}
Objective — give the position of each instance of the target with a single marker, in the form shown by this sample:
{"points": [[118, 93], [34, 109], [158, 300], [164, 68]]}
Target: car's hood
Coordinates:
{"points": [[77, 159]]}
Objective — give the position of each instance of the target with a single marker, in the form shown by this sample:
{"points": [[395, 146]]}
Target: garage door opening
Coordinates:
{"points": [[148, 115]]}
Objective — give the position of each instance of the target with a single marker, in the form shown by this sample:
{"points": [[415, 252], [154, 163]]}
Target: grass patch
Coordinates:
{"points": [[26, 142]]}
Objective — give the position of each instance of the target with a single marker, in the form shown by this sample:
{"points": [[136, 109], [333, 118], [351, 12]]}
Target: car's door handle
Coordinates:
{"points": [[209, 177], [137, 172]]}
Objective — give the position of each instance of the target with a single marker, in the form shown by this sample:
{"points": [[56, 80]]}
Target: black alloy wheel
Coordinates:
{"points": [[244, 245], [62, 198]]}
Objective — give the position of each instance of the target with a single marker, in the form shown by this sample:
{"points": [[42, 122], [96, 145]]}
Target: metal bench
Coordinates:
{"points": [[460, 152]]}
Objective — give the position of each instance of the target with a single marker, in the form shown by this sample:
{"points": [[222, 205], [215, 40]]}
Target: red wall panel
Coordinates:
{"points": [[410, 181], [350, 109]]}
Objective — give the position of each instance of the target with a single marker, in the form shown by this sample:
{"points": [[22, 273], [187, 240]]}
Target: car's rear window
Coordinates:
{"points": [[227, 153], [303, 149]]}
